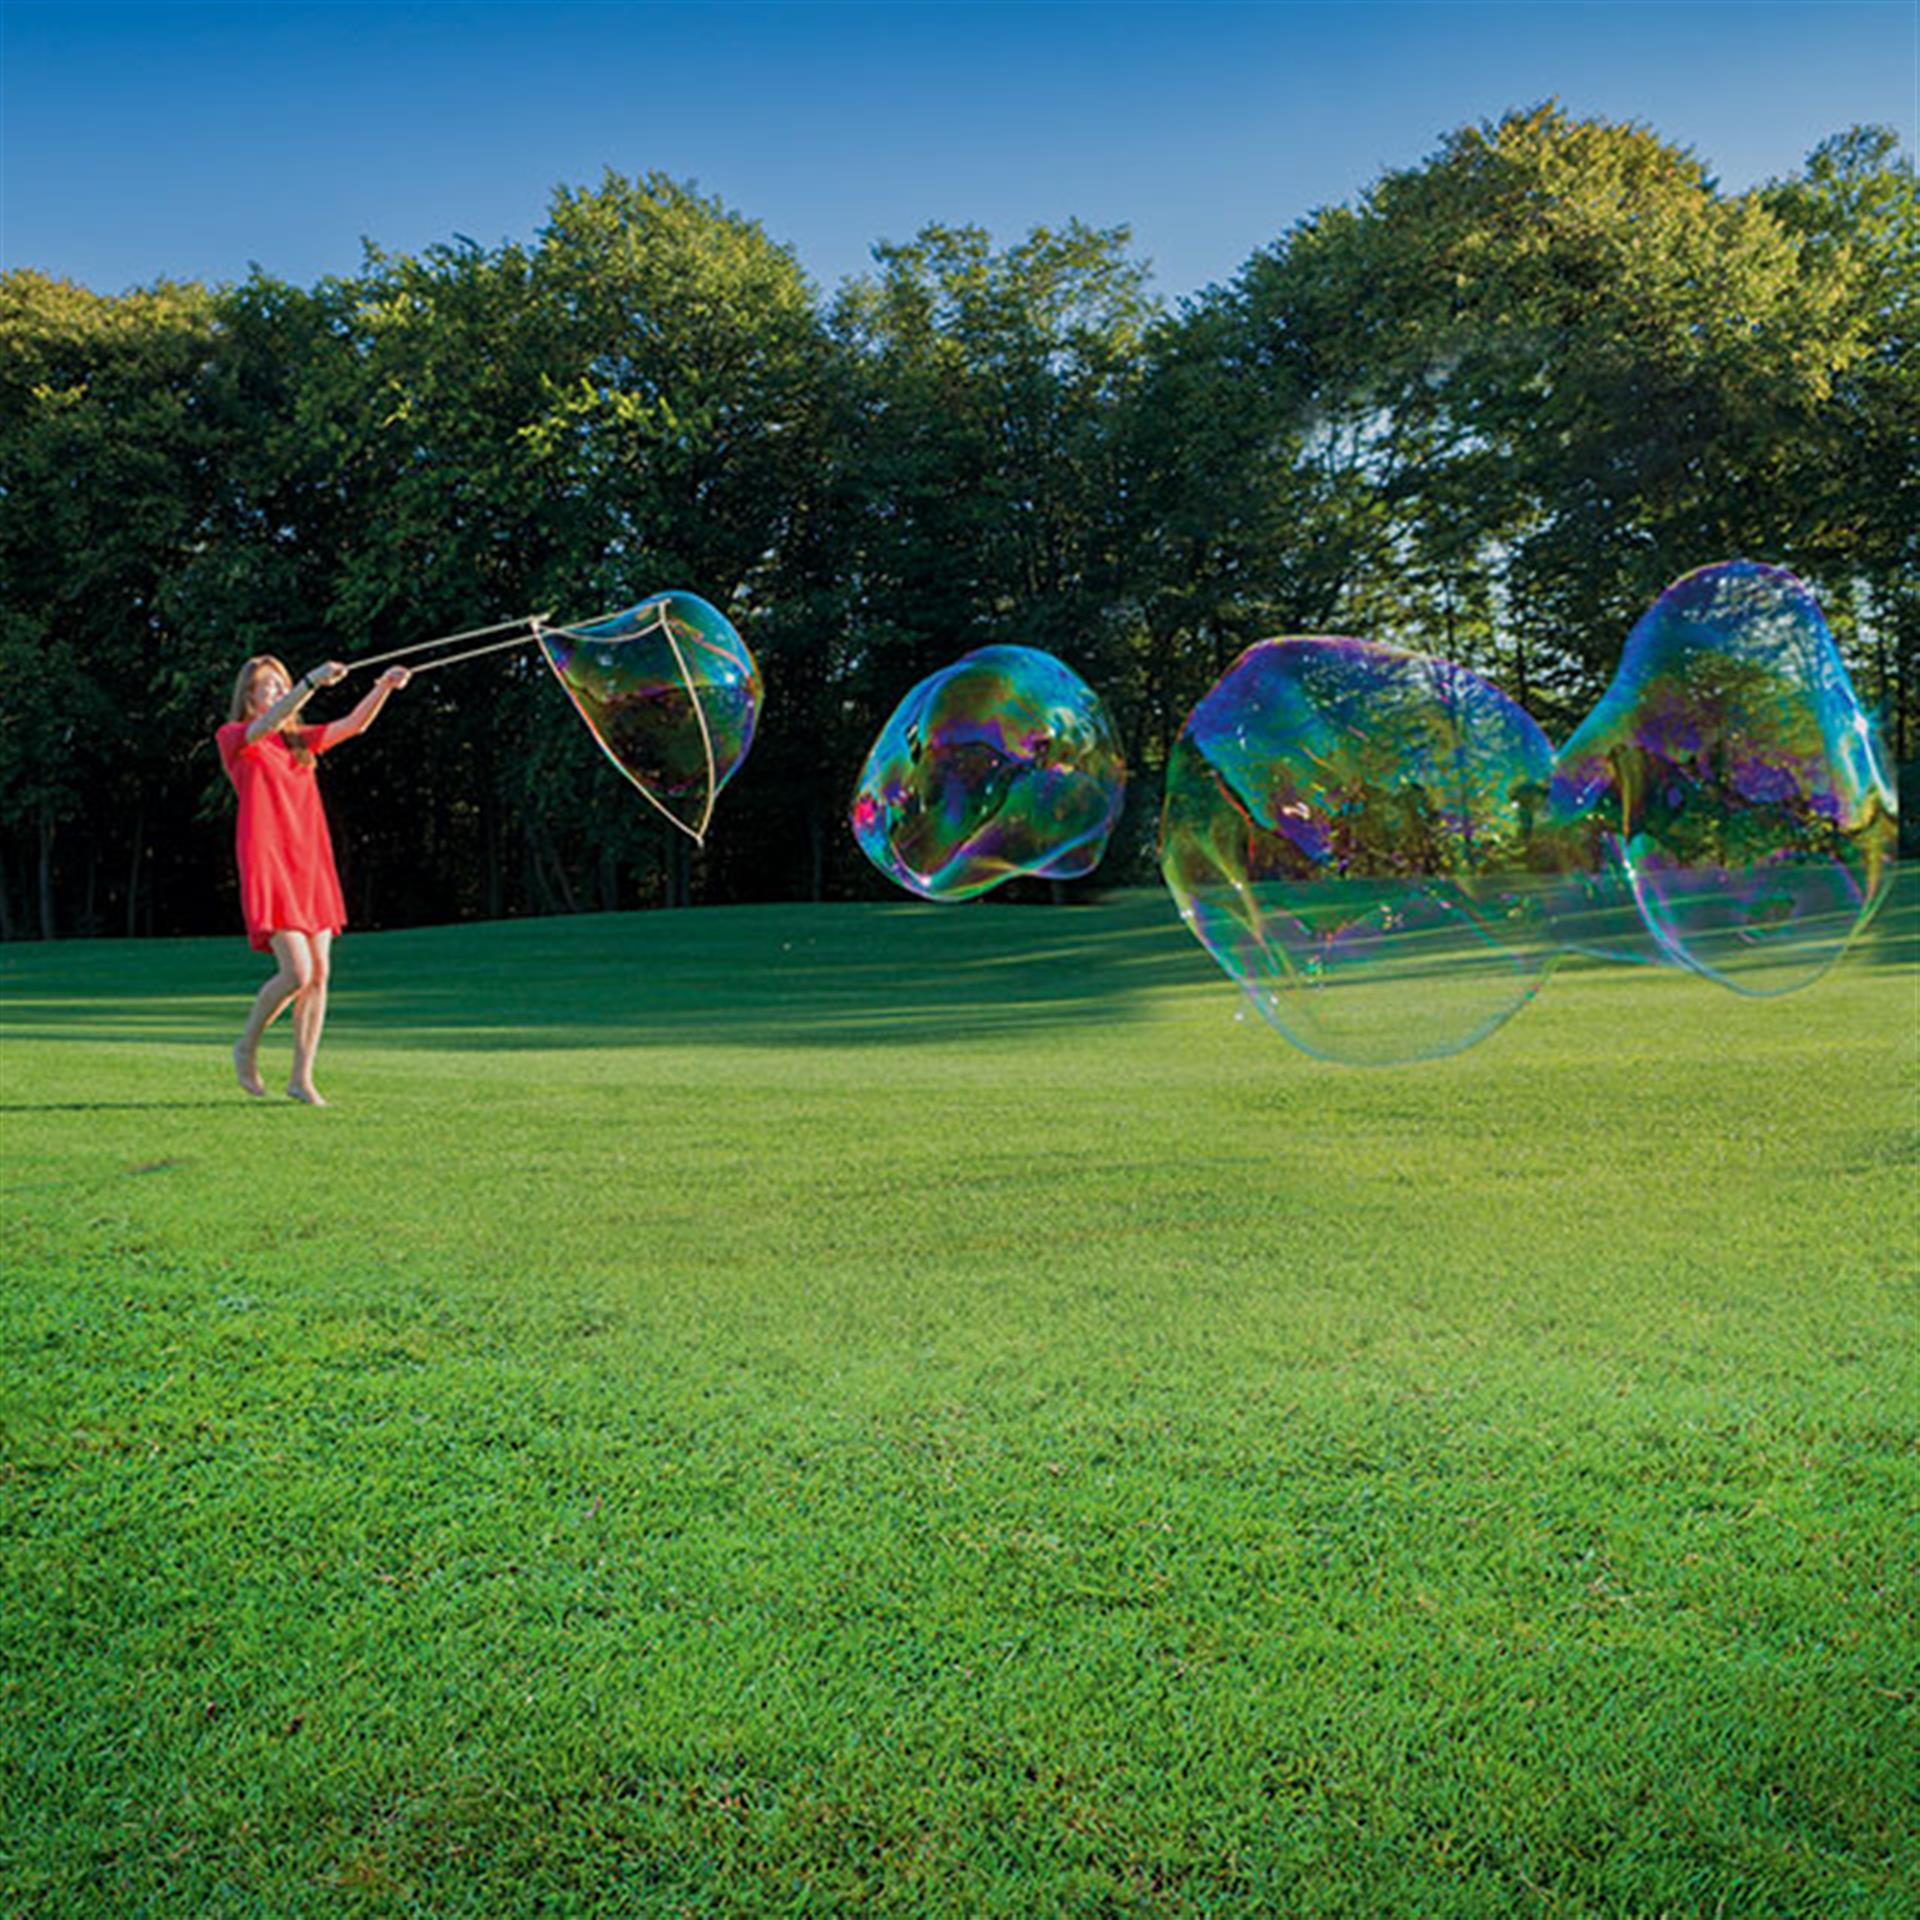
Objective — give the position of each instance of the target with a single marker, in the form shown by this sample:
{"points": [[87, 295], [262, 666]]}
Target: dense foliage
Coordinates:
{"points": [[1490, 409]]}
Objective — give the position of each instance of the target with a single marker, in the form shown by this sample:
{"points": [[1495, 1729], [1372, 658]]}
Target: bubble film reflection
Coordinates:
{"points": [[1728, 804], [1003, 763], [1349, 831], [670, 692]]}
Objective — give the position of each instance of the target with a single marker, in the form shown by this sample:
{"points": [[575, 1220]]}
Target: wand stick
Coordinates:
{"points": [[447, 640], [535, 621], [472, 653]]}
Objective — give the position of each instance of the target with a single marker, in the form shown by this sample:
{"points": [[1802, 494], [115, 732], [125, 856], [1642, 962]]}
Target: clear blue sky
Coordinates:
{"points": [[150, 140]]}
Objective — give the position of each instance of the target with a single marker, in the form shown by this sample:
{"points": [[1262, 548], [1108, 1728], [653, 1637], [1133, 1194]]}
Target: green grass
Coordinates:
{"points": [[916, 1411]]}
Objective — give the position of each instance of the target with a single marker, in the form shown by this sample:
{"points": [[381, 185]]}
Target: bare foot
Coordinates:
{"points": [[247, 1072], [309, 1094]]}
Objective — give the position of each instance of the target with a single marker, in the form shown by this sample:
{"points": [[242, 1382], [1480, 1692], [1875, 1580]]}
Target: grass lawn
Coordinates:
{"points": [[922, 1411]]}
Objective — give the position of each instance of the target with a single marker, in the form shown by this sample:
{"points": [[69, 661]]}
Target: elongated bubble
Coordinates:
{"points": [[670, 692], [1003, 763], [1728, 804], [1349, 831]]}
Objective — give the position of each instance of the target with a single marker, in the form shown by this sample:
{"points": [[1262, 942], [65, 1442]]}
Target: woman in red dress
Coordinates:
{"points": [[289, 891]]}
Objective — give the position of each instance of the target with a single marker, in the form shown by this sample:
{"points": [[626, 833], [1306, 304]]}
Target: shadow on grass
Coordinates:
{"points": [[790, 975], [834, 976], [894, 974]]}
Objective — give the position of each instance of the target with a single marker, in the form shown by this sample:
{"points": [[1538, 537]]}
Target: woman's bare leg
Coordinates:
{"points": [[309, 1016], [295, 969]]}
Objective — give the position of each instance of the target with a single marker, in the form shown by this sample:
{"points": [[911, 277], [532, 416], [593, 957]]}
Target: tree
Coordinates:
{"points": [[985, 485], [688, 380], [1490, 409], [103, 465], [1857, 480], [472, 434], [1519, 388]]}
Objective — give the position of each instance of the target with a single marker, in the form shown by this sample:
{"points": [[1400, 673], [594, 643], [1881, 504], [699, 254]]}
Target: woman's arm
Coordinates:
{"points": [[295, 697], [362, 717]]}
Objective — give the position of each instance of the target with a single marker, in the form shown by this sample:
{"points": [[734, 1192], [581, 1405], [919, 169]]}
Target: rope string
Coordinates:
{"points": [[474, 653], [444, 640], [706, 735], [538, 625]]}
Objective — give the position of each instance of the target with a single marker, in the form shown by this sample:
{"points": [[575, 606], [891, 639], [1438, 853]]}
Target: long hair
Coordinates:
{"points": [[243, 693]]}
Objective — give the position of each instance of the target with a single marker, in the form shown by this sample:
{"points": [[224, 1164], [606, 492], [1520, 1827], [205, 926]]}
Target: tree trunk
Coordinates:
{"points": [[1520, 673], [546, 871], [496, 880], [1908, 651], [559, 866], [133, 869], [532, 879], [48, 928], [1889, 687], [6, 898]]}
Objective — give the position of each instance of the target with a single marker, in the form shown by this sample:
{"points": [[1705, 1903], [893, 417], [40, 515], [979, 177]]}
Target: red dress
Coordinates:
{"points": [[287, 878]]}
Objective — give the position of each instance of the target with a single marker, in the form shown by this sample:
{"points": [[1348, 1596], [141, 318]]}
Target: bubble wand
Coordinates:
{"points": [[448, 639], [671, 618]]}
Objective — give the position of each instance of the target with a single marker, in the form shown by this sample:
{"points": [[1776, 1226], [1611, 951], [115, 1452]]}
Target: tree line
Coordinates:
{"points": [[1489, 409]]}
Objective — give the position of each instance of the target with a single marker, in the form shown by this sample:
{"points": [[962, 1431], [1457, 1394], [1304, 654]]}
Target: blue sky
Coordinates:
{"points": [[150, 140]]}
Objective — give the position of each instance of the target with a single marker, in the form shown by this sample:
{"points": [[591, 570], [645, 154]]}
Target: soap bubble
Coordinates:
{"points": [[1349, 831], [671, 693], [1003, 763], [1727, 805]]}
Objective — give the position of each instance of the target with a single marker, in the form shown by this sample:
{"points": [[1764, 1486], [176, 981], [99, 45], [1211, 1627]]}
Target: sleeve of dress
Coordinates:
{"points": [[232, 742], [319, 738]]}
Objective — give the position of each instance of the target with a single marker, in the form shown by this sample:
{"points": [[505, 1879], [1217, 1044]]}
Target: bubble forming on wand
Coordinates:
{"points": [[671, 694], [666, 687]]}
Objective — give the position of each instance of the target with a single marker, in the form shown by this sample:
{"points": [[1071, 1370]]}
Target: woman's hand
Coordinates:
{"points": [[364, 715], [325, 676]]}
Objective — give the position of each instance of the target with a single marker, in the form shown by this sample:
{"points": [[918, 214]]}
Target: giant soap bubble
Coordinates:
{"points": [[1003, 763], [670, 692], [1727, 805], [1348, 830]]}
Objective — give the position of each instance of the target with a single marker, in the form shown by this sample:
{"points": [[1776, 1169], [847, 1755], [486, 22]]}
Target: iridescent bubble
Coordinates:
{"points": [[1728, 804], [1003, 763], [671, 693], [1349, 831]]}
